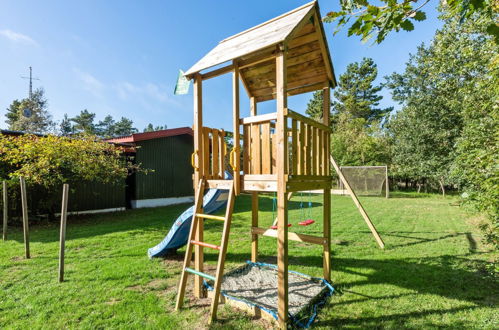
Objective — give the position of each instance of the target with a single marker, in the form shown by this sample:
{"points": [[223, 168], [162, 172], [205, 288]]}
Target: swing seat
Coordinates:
{"points": [[306, 222], [275, 227]]}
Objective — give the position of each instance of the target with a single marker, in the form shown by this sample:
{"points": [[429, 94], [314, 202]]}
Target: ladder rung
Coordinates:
{"points": [[195, 272], [209, 216], [208, 245]]}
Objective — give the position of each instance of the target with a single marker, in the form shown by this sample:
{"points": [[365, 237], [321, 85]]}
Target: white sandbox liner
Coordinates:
{"points": [[256, 285]]}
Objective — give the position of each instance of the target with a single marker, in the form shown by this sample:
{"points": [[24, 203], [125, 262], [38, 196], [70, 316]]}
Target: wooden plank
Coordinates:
{"points": [[188, 253], [291, 236], [358, 204], [320, 152], [260, 177], [198, 129], [199, 173], [62, 233], [259, 119], [308, 150], [206, 153], [215, 155], [246, 148], [219, 184], [274, 153], [303, 39], [236, 117], [326, 211], [217, 72], [5, 209], [222, 152], [221, 257], [24, 204], [387, 183], [266, 150], [282, 201], [294, 91], [326, 110], [294, 146], [313, 151], [323, 44], [254, 223], [307, 120], [317, 76], [307, 185], [255, 146], [269, 186], [301, 150]]}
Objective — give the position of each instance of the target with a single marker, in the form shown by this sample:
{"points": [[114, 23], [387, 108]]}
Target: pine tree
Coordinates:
{"points": [[30, 115], [150, 128], [84, 122], [106, 127], [124, 127], [65, 128], [357, 96], [314, 106]]}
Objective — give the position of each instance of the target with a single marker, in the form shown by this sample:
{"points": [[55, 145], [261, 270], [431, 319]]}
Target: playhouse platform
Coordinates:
{"points": [[253, 288]]}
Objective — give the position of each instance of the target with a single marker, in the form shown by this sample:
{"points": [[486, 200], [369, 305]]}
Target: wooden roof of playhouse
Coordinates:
{"points": [[309, 65]]}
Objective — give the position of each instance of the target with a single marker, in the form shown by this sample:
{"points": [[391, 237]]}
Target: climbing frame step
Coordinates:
{"points": [[199, 216]]}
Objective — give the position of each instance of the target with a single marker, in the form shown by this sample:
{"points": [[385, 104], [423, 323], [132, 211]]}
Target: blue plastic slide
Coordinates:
{"points": [[177, 237]]}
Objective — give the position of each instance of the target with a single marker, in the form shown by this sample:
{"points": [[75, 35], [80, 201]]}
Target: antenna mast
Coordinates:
{"points": [[30, 81]]}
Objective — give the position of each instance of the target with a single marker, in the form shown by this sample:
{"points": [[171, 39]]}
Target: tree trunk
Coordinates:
{"points": [[419, 187], [441, 181]]}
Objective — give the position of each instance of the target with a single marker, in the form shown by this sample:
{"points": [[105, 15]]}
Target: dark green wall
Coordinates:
{"points": [[96, 196], [170, 158]]}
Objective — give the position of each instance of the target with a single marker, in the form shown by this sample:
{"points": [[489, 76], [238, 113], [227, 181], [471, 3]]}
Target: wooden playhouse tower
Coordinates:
{"points": [[280, 152]]}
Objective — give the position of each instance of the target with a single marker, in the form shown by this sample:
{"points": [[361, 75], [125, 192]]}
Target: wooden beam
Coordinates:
{"points": [[326, 204], [282, 201], [217, 72], [358, 204], [198, 175], [319, 29], [24, 204], [236, 118], [254, 199], [291, 236], [5, 210], [62, 234], [259, 118]]}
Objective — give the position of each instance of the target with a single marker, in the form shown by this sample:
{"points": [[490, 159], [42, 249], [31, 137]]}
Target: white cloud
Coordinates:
{"points": [[18, 37], [90, 83]]}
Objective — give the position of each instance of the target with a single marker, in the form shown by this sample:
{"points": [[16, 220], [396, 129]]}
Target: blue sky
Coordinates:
{"points": [[122, 57]]}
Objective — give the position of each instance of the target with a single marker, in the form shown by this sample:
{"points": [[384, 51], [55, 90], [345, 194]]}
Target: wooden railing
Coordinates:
{"points": [[214, 149], [308, 144], [308, 141]]}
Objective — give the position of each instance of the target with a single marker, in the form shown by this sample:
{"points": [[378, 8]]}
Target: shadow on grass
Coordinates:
{"points": [[420, 240]]}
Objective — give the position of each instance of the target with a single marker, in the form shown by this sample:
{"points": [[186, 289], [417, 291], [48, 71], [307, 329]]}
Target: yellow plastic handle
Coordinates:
{"points": [[193, 160], [231, 159]]}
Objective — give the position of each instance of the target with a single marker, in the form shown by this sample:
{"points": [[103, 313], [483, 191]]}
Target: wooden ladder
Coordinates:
{"points": [[197, 217]]}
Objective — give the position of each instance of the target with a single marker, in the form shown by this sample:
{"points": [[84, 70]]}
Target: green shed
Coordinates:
{"points": [[166, 155]]}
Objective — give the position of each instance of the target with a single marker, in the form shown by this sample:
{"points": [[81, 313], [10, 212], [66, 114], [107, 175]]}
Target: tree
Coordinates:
{"points": [[124, 127], [106, 128], [374, 19], [151, 128], [65, 128], [13, 113], [315, 106], [30, 115], [84, 122], [357, 95], [438, 81]]}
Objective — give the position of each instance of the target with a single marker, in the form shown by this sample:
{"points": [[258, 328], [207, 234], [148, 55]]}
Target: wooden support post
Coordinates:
{"points": [[198, 175], [5, 210], [357, 203], [327, 192], [24, 203], [282, 201], [62, 236], [254, 198], [236, 124], [387, 183]]}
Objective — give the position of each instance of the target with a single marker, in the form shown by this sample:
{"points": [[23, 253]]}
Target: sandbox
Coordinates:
{"points": [[253, 287]]}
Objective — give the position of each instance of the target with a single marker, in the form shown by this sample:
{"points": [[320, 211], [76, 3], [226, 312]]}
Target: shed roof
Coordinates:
{"points": [[309, 63], [152, 135]]}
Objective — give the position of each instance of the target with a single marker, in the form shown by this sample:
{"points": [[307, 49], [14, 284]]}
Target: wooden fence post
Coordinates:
{"points": [[64, 216], [387, 183], [24, 202], [5, 210]]}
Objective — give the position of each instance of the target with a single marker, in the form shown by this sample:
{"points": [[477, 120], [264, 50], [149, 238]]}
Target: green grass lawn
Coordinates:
{"points": [[431, 273]]}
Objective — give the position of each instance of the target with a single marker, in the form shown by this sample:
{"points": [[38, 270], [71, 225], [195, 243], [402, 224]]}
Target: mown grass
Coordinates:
{"points": [[431, 273]]}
